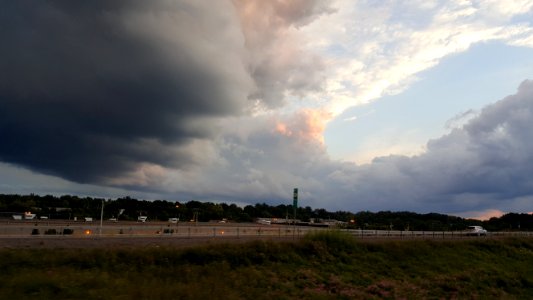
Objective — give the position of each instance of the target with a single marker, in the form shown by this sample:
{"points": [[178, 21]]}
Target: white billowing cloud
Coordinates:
{"points": [[502, 10], [373, 50]]}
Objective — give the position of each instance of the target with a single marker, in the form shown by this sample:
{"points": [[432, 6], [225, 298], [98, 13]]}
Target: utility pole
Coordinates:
{"points": [[101, 217], [295, 202], [294, 206]]}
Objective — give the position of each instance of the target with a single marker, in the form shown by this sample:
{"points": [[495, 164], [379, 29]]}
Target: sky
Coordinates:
{"points": [[422, 106]]}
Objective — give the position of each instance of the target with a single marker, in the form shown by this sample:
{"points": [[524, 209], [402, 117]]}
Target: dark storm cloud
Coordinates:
{"points": [[90, 90]]}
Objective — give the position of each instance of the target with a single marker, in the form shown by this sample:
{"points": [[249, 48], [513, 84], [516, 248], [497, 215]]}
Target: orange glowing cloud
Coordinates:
{"points": [[282, 129], [306, 125]]}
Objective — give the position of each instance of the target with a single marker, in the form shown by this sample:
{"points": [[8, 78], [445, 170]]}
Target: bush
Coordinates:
{"points": [[334, 239], [68, 231], [35, 231], [50, 231]]}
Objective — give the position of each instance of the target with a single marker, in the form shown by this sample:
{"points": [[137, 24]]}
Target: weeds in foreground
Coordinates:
{"points": [[326, 265]]}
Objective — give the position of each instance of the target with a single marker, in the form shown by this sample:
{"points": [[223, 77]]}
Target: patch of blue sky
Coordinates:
{"points": [[471, 80], [336, 50], [411, 14], [522, 19]]}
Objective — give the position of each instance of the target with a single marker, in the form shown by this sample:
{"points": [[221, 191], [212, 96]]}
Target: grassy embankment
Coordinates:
{"points": [[321, 266]]}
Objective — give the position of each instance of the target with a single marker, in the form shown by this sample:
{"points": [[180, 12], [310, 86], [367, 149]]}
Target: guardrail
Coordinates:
{"points": [[142, 230], [359, 233], [214, 230]]}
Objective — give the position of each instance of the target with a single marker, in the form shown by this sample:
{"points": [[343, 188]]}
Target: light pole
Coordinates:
{"points": [[294, 206], [178, 220], [101, 218]]}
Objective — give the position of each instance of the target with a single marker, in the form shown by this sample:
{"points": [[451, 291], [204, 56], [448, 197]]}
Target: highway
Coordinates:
{"points": [[124, 229]]}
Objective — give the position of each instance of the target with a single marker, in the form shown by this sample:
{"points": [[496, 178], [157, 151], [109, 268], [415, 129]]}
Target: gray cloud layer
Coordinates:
{"points": [[277, 63], [90, 91], [486, 164]]}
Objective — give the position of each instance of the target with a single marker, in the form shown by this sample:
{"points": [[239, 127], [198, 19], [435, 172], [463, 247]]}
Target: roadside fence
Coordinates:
{"points": [[206, 230]]}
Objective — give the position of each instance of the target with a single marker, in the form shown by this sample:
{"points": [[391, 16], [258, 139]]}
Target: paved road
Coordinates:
{"points": [[61, 234]]}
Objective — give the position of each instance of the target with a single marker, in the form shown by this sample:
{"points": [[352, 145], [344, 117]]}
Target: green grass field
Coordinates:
{"points": [[328, 265]]}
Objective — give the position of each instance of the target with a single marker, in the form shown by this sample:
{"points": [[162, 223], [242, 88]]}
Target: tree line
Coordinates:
{"points": [[127, 208]]}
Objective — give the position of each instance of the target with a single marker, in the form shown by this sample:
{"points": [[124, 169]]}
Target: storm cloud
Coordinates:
{"points": [[278, 63], [92, 91]]}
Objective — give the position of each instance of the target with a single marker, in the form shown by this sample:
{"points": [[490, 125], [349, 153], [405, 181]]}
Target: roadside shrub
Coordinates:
{"points": [[35, 231], [328, 246], [68, 231], [50, 231], [334, 239]]}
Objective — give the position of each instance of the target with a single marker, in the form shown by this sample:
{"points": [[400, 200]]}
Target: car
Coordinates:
{"points": [[263, 221], [476, 230]]}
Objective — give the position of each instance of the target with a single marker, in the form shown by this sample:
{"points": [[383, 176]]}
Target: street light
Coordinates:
{"points": [[101, 218], [178, 220]]}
